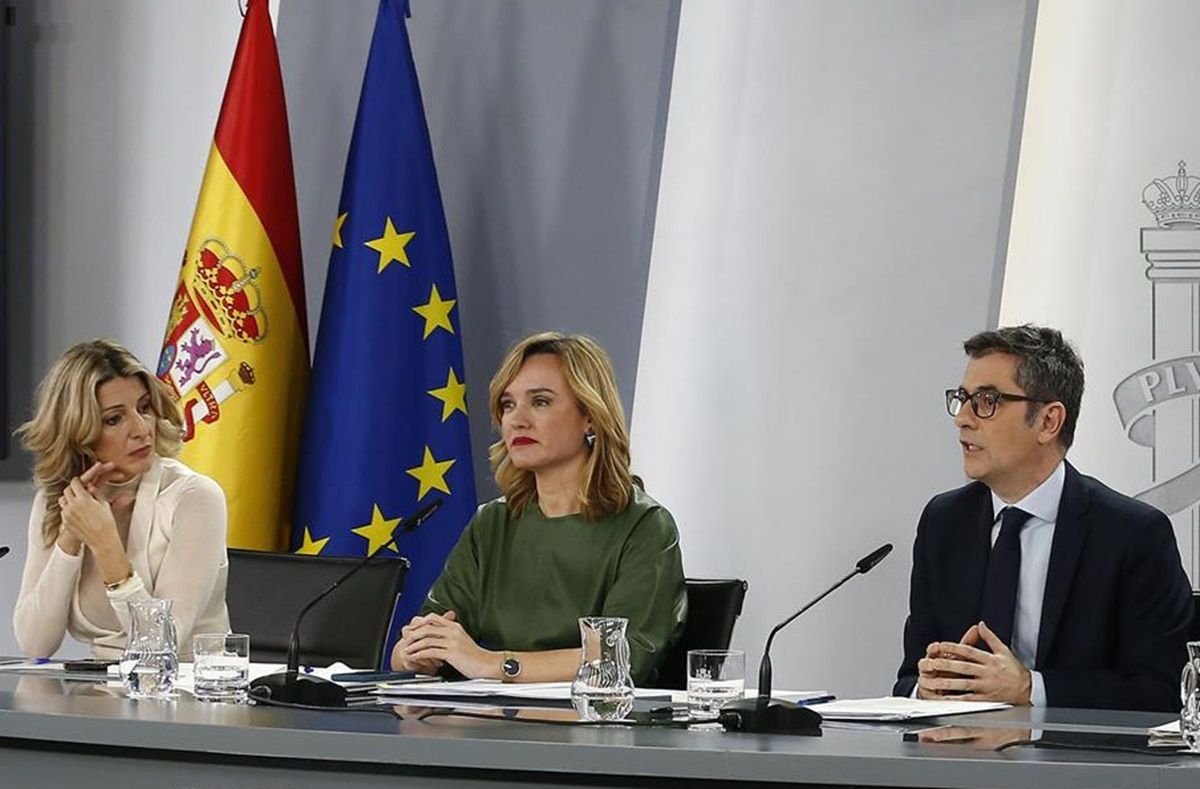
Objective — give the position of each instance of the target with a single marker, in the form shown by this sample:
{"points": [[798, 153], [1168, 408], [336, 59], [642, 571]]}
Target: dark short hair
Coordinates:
{"points": [[1048, 367]]}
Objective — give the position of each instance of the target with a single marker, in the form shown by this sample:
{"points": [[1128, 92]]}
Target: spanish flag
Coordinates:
{"points": [[236, 348]]}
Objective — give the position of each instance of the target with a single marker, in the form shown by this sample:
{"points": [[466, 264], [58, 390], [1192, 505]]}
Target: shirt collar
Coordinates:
{"points": [[1042, 501]]}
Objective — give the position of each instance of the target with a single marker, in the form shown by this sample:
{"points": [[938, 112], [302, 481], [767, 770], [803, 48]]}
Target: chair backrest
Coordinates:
{"points": [[266, 591], [1194, 633], [713, 608]]}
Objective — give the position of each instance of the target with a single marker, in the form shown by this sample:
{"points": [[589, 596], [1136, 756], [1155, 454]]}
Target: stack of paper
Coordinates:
{"points": [[496, 693], [1166, 736], [899, 708]]}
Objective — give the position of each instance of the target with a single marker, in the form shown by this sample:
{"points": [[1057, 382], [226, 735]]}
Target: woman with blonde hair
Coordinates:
{"points": [[574, 535], [115, 518]]}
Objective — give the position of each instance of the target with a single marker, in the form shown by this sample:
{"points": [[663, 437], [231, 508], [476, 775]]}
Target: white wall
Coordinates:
{"points": [[832, 201], [1105, 119], [110, 121]]}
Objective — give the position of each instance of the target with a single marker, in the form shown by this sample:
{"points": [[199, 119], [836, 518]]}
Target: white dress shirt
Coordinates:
{"points": [[1037, 537]]}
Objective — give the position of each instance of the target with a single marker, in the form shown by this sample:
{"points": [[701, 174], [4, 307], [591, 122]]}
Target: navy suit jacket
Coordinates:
{"points": [[1117, 604]]}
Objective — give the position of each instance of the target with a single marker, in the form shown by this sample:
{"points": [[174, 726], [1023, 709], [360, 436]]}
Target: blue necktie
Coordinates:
{"points": [[999, 605]]}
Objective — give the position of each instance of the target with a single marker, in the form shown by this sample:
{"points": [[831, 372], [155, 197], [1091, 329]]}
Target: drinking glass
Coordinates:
{"points": [[1189, 692], [715, 677], [222, 667]]}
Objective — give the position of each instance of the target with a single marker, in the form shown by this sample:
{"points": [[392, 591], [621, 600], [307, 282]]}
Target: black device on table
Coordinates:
{"points": [[88, 664]]}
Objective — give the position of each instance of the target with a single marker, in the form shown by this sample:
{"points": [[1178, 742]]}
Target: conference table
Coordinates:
{"points": [[57, 733]]}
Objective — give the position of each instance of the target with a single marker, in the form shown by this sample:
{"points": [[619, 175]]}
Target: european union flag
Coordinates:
{"points": [[386, 426]]}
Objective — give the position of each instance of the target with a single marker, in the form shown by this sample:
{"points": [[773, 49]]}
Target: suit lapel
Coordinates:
{"points": [[140, 521], [970, 566], [1070, 532]]}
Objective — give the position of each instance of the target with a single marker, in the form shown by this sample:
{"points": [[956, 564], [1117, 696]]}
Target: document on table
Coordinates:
{"points": [[30, 665], [485, 689], [1166, 736], [897, 708]]}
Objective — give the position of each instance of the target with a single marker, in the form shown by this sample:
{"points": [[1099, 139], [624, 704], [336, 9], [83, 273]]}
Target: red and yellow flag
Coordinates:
{"points": [[236, 348]]}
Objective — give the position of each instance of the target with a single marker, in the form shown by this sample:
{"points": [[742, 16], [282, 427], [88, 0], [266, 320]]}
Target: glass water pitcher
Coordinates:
{"points": [[603, 688], [150, 662]]}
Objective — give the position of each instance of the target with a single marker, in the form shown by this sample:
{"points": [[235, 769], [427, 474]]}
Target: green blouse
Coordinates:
{"points": [[523, 583]]}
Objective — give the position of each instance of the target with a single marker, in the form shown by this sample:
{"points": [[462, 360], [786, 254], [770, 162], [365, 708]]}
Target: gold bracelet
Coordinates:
{"points": [[116, 585]]}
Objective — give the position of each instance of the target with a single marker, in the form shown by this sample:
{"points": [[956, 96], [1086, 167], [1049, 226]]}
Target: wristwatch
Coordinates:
{"points": [[510, 669]]}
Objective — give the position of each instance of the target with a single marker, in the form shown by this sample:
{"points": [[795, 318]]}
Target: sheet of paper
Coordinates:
{"points": [[31, 665], [484, 688], [895, 708], [1169, 729], [797, 696]]}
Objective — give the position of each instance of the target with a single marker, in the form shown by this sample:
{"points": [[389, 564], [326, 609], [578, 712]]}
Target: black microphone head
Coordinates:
{"points": [[873, 558], [3, 551], [414, 521]]}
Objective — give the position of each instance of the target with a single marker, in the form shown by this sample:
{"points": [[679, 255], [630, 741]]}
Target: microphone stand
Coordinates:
{"points": [[779, 716], [292, 687]]}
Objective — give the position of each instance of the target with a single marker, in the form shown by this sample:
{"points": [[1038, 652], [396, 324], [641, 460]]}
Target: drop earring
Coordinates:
{"points": [[589, 438]]}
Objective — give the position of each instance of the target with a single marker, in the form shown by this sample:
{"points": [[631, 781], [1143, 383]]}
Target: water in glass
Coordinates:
{"points": [[706, 696], [715, 677], [220, 678], [222, 666]]}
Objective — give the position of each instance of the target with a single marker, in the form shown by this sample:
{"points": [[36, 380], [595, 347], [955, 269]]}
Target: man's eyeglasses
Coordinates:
{"points": [[983, 402]]}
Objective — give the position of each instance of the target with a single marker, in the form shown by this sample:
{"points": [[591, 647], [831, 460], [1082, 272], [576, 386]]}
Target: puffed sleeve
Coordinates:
{"points": [[47, 587], [649, 591]]}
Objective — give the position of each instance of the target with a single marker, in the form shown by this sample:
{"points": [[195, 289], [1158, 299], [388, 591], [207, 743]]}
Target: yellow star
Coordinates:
{"points": [[436, 313], [378, 532], [311, 547], [431, 474], [390, 246], [337, 229], [453, 396]]}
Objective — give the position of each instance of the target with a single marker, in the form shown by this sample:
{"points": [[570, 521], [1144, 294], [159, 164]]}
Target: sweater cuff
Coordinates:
{"points": [[132, 589], [61, 561]]}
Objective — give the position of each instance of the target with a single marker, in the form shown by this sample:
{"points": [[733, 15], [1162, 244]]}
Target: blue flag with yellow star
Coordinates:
{"points": [[386, 427]]}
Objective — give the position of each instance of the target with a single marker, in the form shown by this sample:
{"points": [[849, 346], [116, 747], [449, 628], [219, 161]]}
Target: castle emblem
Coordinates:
{"points": [[217, 308]]}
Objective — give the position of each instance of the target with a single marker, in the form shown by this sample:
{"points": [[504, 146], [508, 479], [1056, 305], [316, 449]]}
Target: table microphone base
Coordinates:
{"points": [[291, 687], [774, 716]]}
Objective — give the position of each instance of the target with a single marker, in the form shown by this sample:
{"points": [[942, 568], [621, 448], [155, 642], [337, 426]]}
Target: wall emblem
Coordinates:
{"points": [[1159, 405]]}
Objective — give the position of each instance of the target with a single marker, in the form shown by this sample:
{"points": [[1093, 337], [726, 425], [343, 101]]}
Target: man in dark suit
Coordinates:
{"points": [[1035, 584]]}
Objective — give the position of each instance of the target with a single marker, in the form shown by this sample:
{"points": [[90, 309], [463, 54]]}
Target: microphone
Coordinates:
{"points": [[292, 687], [767, 715], [3, 551]]}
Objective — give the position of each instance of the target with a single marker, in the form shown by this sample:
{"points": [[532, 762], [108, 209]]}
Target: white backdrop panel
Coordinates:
{"points": [[1108, 113], [829, 215]]}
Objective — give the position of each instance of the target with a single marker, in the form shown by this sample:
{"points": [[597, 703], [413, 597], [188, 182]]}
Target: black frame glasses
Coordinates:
{"points": [[983, 402]]}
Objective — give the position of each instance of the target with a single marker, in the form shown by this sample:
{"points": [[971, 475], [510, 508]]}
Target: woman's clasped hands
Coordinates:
{"points": [[431, 641]]}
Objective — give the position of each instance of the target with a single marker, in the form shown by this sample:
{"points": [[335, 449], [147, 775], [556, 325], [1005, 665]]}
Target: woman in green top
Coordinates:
{"points": [[574, 535]]}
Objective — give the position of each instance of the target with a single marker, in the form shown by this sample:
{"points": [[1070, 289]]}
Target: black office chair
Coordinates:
{"points": [[713, 608], [266, 591], [1194, 633]]}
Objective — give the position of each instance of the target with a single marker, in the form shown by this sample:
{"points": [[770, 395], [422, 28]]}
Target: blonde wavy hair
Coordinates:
{"points": [[607, 483], [67, 421]]}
